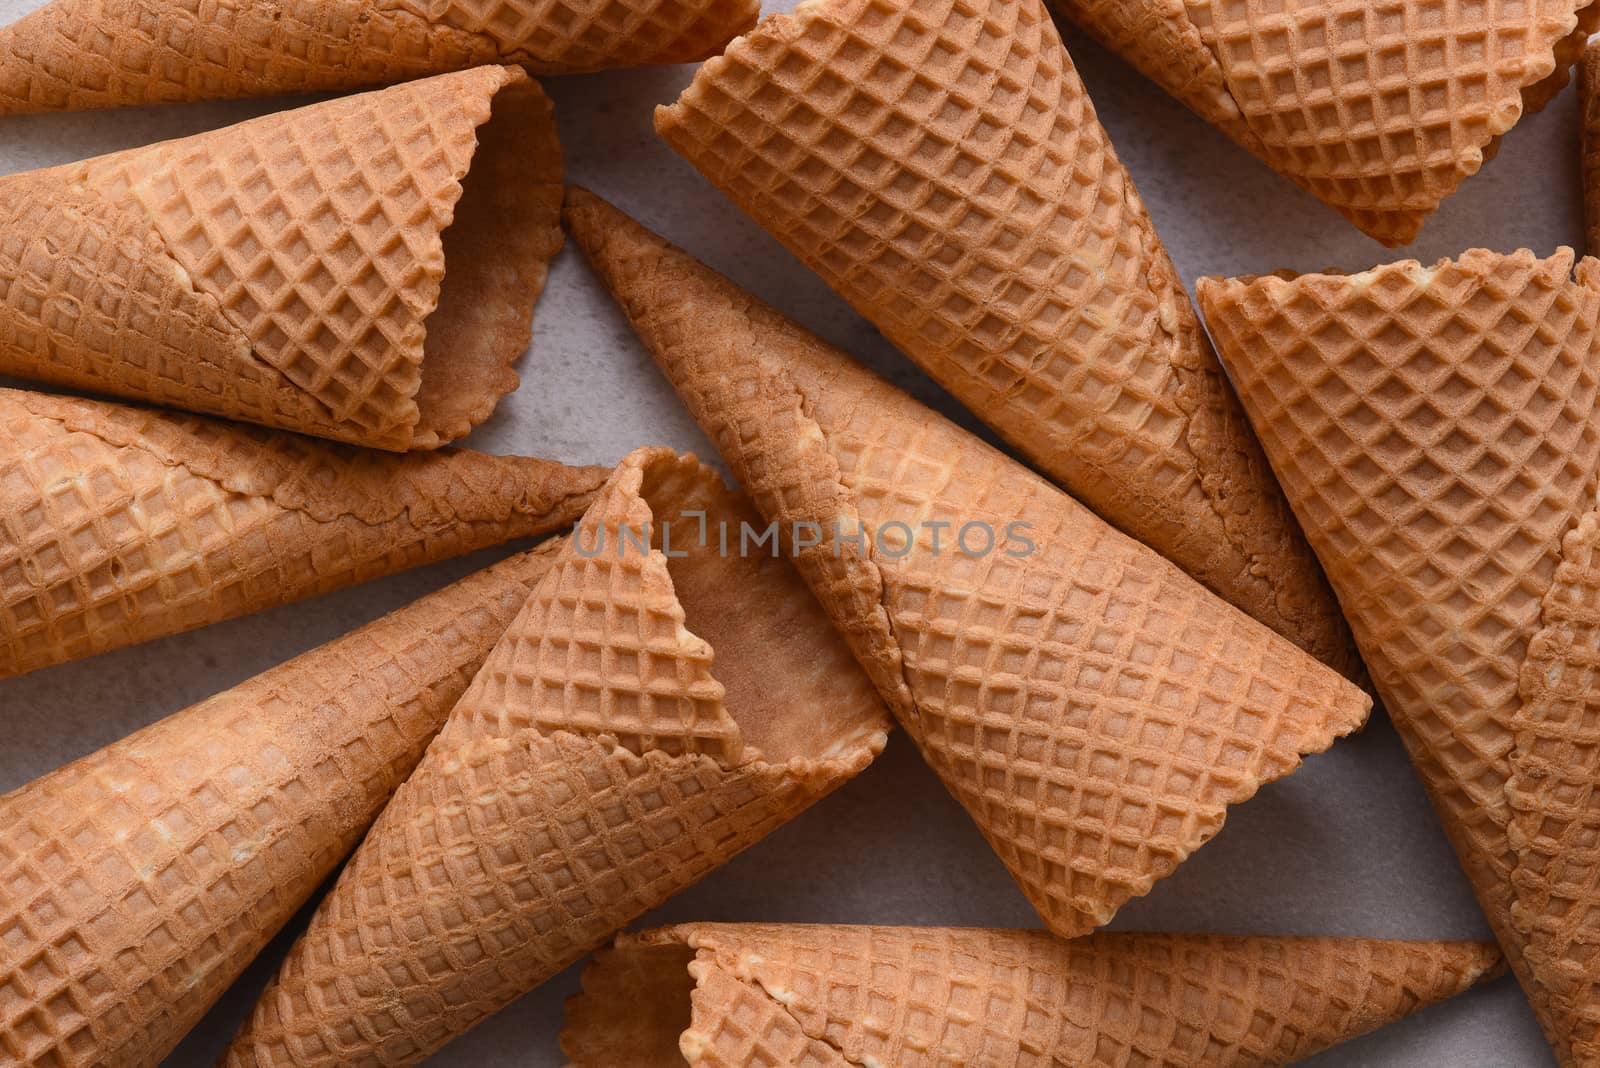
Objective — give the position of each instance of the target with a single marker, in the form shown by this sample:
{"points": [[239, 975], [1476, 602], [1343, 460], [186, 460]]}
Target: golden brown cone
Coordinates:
{"points": [[137, 882], [1379, 108], [119, 525], [72, 55], [1020, 270], [641, 722], [1438, 432], [807, 996], [1589, 105], [1094, 709], [362, 269]]}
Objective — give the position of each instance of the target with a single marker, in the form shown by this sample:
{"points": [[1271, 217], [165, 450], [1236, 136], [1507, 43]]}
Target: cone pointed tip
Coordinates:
{"points": [[586, 214]]}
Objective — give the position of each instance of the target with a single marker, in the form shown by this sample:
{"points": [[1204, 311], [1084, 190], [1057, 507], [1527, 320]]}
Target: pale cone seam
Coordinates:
{"points": [[1504, 881], [101, 221], [1527, 804], [707, 969], [245, 358]]}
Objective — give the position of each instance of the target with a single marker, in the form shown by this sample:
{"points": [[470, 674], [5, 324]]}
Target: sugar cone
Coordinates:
{"points": [[137, 883], [1439, 433], [807, 996], [1589, 103], [1379, 108], [71, 55], [362, 269], [1094, 709], [641, 722], [119, 525], [1019, 270]]}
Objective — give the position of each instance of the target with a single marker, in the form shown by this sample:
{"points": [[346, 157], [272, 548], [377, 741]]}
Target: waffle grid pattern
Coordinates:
{"points": [[1094, 709], [118, 525], [72, 55], [489, 873], [1380, 108], [287, 270], [1555, 820], [603, 648], [736, 1024], [941, 997], [939, 163], [135, 884], [1438, 430], [59, 244], [523, 840], [317, 232]]}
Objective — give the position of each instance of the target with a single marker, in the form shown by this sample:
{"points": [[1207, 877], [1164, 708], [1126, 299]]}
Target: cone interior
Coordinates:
{"points": [[497, 253], [605, 757], [294, 270], [637, 1001], [789, 698]]}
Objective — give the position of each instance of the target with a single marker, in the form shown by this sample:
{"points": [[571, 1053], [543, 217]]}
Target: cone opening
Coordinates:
{"points": [[635, 1006], [792, 684], [497, 251]]}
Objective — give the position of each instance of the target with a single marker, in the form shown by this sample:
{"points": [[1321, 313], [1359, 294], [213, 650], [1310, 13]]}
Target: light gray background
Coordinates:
{"points": [[1346, 846]]}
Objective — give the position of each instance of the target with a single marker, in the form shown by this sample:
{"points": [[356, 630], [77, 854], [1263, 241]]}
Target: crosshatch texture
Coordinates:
{"points": [[1380, 109], [72, 55], [597, 766], [292, 270], [1439, 432], [119, 525], [934, 997], [137, 883], [940, 165], [1092, 707]]}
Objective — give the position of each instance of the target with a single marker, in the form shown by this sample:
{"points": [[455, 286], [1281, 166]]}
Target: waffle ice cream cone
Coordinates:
{"points": [[1092, 707], [644, 719], [823, 996], [1439, 433], [119, 525], [1379, 108], [363, 269], [73, 55], [137, 882], [939, 163]]}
